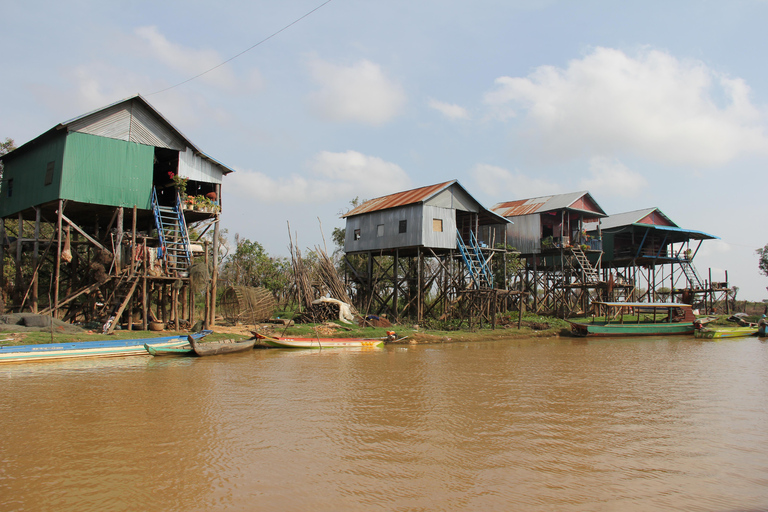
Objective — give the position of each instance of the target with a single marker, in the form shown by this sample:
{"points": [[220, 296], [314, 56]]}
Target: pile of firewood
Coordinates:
{"points": [[318, 313]]}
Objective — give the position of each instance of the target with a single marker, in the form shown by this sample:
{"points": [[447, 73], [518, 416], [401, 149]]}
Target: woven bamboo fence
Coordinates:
{"points": [[247, 305]]}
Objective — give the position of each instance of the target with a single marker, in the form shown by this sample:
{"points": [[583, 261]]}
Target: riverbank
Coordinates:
{"points": [[532, 327]]}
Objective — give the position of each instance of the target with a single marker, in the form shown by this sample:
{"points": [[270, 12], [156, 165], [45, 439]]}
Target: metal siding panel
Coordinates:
{"points": [[525, 234], [392, 238], [28, 174], [439, 240], [114, 122], [146, 128], [105, 171], [195, 168]]}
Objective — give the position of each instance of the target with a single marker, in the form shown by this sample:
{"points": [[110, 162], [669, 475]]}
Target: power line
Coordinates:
{"points": [[244, 51]]}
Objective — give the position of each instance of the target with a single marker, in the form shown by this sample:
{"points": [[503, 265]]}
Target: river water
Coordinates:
{"points": [[556, 425]]}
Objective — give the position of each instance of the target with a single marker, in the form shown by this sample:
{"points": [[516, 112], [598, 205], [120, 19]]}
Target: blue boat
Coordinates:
{"points": [[76, 349]]}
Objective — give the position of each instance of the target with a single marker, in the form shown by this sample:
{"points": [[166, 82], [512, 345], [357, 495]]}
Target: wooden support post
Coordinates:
{"points": [[207, 296], [122, 307], [144, 308], [163, 310], [2, 265], [35, 256], [175, 299], [133, 241], [119, 241], [419, 282], [215, 270], [57, 276], [19, 284]]}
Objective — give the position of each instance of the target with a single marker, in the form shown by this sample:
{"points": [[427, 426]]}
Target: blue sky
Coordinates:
{"points": [[642, 103]]}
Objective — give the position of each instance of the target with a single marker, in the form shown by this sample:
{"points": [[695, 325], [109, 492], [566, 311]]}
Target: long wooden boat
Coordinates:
{"points": [[105, 348], [725, 332], [221, 347], [648, 319], [281, 342]]}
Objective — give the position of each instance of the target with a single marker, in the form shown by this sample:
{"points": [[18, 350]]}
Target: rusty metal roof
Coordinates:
{"points": [[417, 195], [546, 204]]}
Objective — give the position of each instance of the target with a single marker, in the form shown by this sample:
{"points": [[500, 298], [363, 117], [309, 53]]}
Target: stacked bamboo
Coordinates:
{"points": [[319, 313], [301, 275], [330, 277]]}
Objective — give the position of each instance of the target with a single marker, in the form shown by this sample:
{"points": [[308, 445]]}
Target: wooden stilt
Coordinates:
{"points": [[57, 276], [2, 266], [215, 271], [35, 255]]}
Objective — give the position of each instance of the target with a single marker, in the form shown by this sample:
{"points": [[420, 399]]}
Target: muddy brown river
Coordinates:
{"points": [[561, 425]]}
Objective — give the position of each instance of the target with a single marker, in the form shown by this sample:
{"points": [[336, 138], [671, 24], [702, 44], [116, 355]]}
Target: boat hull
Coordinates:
{"points": [[611, 330], [318, 342], [728, 332], [80, 349]]}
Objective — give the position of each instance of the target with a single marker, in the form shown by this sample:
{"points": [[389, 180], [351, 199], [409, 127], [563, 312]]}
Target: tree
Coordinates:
{"points": [[763, 263], [5, 147], [250, 265]]}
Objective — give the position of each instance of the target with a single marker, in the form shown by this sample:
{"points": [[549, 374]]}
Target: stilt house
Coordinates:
{"points": [[442, 222], [119, 185], [650, 240], [562, 263], [549, 221]]}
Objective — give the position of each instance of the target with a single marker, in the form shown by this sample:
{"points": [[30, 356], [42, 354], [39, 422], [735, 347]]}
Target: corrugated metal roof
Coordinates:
{"points": [[416, 195], [544, 204], [628, 218]]}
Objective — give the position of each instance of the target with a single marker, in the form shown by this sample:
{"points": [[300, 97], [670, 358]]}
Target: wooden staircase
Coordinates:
{"points": [[590, 273]]}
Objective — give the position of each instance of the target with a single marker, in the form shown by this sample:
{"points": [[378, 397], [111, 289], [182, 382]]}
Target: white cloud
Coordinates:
{"points": [[449, 110], [501, 183], [653, 105], [187, 61], [359, 93], [611, 177], [331, 177]]}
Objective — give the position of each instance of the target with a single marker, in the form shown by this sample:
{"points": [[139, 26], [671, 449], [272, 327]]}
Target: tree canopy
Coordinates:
{"points": [[763, 263]]}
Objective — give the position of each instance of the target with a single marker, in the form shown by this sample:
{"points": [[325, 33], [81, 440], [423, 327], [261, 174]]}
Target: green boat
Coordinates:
{"points": [[183, 350], [637, 319]]}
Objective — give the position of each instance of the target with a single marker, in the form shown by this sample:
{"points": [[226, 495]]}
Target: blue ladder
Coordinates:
{"points": [[476, 264], [173, 234]]}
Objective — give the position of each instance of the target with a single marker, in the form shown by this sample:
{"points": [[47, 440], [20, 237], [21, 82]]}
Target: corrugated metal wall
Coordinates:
{"points": [[420, 229], [197, 169], [525, 233], [454, 197], [28, 174], [130, 122], [391, 237], [446, 239], [106, 171]]}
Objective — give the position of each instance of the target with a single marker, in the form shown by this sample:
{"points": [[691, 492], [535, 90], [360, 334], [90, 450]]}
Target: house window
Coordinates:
{"points": [[403, 226], [49, 173], [380, 230], [10, 187], [357, 234], [437, 225]]}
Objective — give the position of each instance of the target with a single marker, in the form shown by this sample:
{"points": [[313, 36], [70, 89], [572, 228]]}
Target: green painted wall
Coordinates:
{"points": [[87, 169], [105, 171], [27, 172]]}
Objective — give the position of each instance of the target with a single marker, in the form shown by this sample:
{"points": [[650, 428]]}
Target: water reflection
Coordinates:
{"points": [[614, 424]]}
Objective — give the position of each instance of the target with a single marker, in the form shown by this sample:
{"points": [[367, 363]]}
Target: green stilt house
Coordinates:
{"points": [[98, 210]]}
